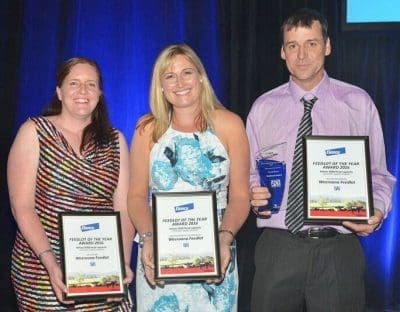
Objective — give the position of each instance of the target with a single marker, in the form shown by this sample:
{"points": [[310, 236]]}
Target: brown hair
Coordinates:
{"points": [[304, 18], [100, 129]]}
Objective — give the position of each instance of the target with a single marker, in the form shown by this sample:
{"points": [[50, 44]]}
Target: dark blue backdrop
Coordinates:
{"points": [[124, 37]]}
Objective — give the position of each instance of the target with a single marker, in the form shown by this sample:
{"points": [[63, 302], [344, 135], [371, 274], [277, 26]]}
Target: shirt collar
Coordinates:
{"points": [[297, 92]]}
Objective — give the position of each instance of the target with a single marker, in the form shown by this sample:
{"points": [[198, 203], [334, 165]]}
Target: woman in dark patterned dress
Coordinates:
{"points": [[69, 159]]}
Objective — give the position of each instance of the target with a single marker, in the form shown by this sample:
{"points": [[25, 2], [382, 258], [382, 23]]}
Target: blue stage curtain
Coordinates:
{"points": [[380, 75], [124, 37], [370, 60]]}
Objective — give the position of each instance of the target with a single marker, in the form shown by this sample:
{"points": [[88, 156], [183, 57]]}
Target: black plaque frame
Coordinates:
{"points": [[337, 183], [186, 245], [89, 242]]}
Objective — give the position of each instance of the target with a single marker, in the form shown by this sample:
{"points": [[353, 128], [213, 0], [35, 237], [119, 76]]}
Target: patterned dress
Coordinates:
{"points": [[65, 182], [189, 162]]}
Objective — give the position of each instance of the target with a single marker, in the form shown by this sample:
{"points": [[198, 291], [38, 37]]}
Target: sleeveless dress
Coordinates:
{"points": [[181, 162], [64, 182]]}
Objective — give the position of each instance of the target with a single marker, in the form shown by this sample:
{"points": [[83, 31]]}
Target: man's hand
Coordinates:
{"points": [[259, 196], [365, 229]]}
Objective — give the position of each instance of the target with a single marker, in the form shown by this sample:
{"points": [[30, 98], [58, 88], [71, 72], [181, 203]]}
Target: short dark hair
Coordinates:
{"points": [[304, 18], [100, 129]]}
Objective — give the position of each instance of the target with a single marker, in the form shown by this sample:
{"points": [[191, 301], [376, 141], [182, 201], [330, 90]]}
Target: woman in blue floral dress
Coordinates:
{"points": [[189, 142]]}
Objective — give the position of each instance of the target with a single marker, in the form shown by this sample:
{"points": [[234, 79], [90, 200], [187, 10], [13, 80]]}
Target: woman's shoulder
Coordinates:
{"points": [[228, 127], [144, 131], [145, 125], [27, 133], [43, 121], [225, 118], [29, 125]]}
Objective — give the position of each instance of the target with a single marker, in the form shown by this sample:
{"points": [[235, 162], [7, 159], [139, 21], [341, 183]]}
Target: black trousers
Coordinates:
{"points": [[295, 274]]}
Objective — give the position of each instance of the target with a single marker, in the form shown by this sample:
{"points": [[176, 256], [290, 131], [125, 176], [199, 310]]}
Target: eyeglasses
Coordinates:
{"points": [[171, 79]]}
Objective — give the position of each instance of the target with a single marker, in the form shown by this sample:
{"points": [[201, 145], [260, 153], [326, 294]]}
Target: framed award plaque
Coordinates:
{"points": [[337, 179], [92, 255], [186, 245]]}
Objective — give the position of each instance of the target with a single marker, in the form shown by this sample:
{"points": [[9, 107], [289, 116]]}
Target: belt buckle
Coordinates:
{"points": [[312, 232]]}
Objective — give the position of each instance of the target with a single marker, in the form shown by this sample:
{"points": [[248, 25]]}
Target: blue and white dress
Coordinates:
{"points": [[181, 162]]}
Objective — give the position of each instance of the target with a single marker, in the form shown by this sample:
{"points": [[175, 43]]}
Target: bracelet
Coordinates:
{"points": [[41, 254], [227, 231], [143, 236]]}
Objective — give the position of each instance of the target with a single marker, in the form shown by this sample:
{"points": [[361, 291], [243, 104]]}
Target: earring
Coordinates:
{"points": [[201, 80], [162, 90]]}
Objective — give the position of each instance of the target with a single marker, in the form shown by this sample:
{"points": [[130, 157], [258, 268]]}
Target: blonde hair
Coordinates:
{"points": [[161, 109]]}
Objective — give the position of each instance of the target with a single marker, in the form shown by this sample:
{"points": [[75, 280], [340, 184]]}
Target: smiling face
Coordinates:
{"points": [[304, 50], [79, 92], [181, 83]]}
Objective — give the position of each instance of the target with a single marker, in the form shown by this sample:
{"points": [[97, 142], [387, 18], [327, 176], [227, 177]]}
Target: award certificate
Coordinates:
{"points": [[92, 255], [186, 245], [337, 179]]}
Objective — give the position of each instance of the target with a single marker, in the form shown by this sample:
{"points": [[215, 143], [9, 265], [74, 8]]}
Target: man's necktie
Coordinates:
{"points": [[294, 213]]}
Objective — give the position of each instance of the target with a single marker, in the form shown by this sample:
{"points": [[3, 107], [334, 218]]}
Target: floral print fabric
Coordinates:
{"points": [[190, 162]]}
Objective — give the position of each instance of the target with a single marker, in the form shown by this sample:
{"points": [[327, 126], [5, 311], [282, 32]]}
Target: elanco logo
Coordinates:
{"points": [[335, 151], [90, 227], [184, 207]]}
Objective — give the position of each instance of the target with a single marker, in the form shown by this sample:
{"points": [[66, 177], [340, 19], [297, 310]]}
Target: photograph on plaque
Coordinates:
{"points": [[92, 255], [337, 179], [186, 245]]}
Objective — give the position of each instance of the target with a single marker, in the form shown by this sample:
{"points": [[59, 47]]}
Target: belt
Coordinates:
{"points": [[318, 232]]}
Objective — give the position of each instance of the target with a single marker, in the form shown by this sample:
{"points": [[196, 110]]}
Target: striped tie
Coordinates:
{"points": [[294, 213]]}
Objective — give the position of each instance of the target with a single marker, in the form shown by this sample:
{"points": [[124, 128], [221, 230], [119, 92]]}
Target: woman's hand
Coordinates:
{"points": [[56, 277], [128, 274], [127, 280], [147, 257], [225, 241]]}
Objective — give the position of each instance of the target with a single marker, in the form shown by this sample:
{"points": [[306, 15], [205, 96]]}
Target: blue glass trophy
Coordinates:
{"points": [[272, 175]]}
